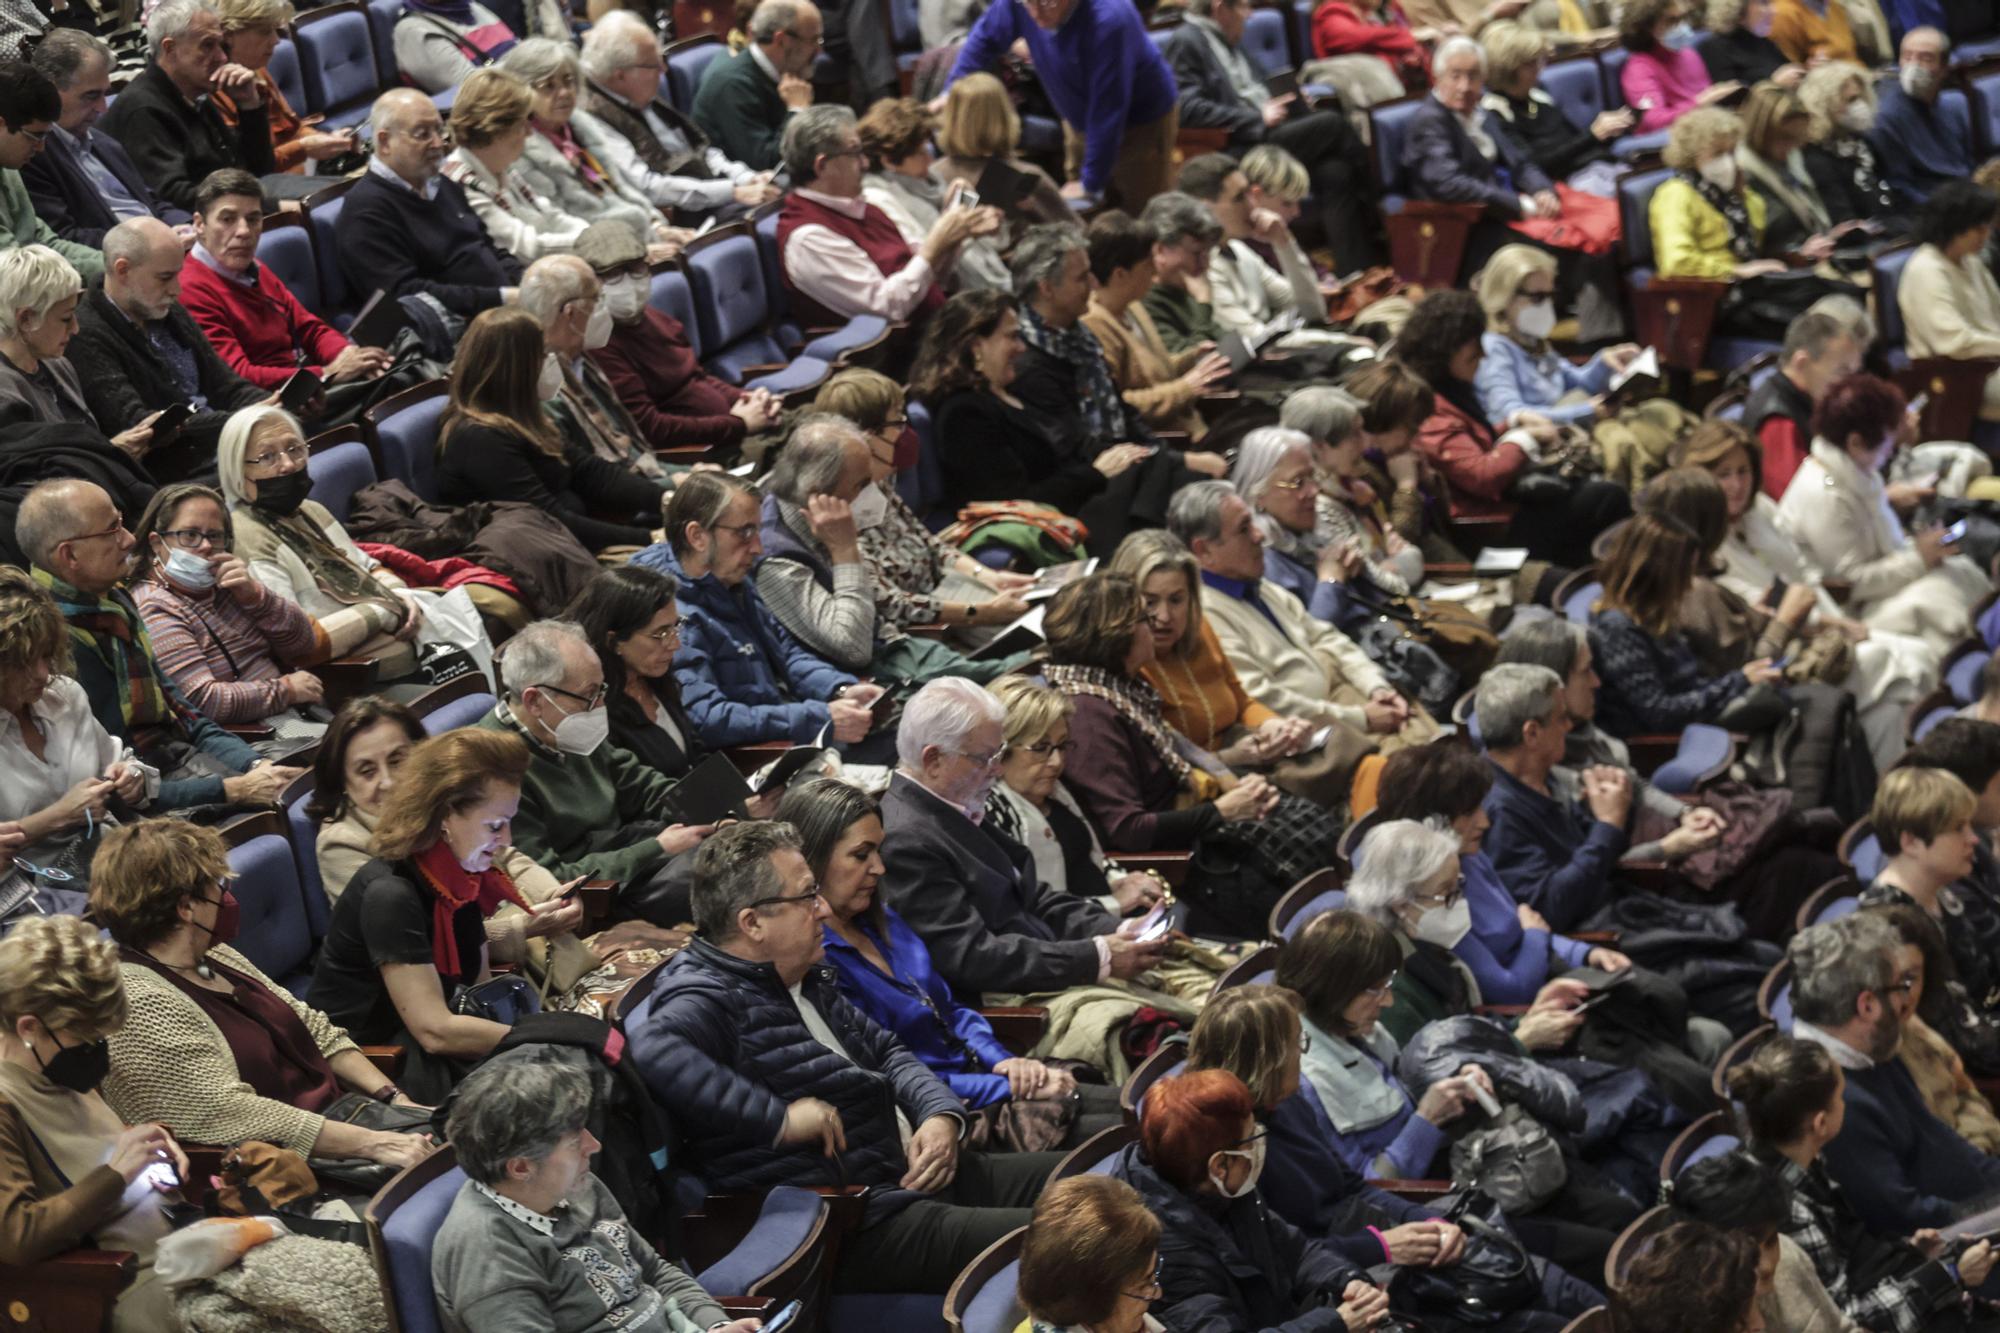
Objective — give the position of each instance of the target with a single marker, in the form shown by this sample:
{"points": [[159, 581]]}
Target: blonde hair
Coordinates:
{"points": [[1699, 134], [1723, 15], [60, 970], [1510, 48], [1033, 709], [1820, 93], [979, 119], [33, 277], [1276, 172], [1925, 803], [1765, 112], [1251, 1032], [865, 397], [1500, 281], [236, 15], [490, 102], [144, 871], [31, 627], [1148, 551]]}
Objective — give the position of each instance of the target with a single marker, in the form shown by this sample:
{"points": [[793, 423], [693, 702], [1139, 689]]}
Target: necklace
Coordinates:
{"points": [[1194, 688], [200, 969]]}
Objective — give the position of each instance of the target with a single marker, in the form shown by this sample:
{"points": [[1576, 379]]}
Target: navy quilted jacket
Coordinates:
{"points": [[724, 1049]]}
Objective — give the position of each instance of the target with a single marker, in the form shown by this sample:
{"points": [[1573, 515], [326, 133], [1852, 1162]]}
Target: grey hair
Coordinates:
{"points": [[390, 110], [1511, 696], [1546, 641], [1323, 413], [817, 129], [1200, 9], [551, 282], [943, 713], [1176, 216], [1396, 859], [539, 58], [62, 54], [1458, 46], [47, 517], [33, 277], [1258, 456], [1195, 512], [514, 1108], [1040, 256], [1851, 314], [534, 655], [811, 460], [1835, 961], [771, 18], [733, 870], [172, 20], [612, 41], [135, 238], [1925, 30]]}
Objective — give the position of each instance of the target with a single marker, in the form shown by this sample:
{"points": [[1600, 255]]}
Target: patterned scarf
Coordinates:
{"points": [[455, 886], [1133, 697], [1735, 211], [579, 158], [110, 629], [1103, 410]]}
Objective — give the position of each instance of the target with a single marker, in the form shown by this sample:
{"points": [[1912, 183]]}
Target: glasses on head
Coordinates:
{"points": [[189, 538], [664, 634], [591, 700], [291, 453], [1153, 1290], [781, 899]]}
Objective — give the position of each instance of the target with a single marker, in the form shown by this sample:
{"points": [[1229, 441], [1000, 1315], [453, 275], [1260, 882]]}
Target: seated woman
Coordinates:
{"points": [[1030, 804], [1839, 98], [438, 42], [1516, 54], [1521, 375], [221, 636], [1738, 47], [1941, 1019], [1791, 1095], [1662, 81], [1255, 1032], [496, 442], [250, 33], [1708, 223], [1948, 297], [909, 565], [1274, 473], [1797, 220], [75, 1174], [979, 126], [905, 182], [1013, 1103], [409, 934], [1162, 387], [39, 294], [1090, 1261], [1837, 509], [1344, 967], [1655, 1296], [563, 160], [1225, 1260], [214, 1049], [1392, 481], [298, 550], [489, 131], [1347, 507], [1486, 473]]}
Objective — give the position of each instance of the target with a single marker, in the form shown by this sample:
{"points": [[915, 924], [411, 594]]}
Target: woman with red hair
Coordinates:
{"points": [[1837, 509], [1225, 1260]]}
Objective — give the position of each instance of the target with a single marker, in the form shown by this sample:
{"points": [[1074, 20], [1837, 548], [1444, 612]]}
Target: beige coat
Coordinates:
{"points": [[1146, 373], [1952, 310]]}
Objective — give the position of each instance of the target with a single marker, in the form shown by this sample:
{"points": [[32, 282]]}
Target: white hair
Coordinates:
{"points": [[943, 713], [33, 278], [612, 41], [534, 655], [1394, 861], [172, 20], [552, 282], [1460, 45]]}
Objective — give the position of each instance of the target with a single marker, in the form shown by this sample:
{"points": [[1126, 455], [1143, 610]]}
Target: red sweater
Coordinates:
{"points": [[652, 367], [261, 332], [1339, 30]]}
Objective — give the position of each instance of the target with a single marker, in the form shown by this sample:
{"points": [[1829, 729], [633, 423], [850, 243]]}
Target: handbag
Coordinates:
{"points": [[1515, 1161], [358, 1175], [1412, 666], [1242, 868], [1494, 1276], [439, 663], [506, 1000]]}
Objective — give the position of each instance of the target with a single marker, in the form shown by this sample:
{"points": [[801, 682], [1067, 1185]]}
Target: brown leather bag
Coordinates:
{"points": [[280, 1175]]}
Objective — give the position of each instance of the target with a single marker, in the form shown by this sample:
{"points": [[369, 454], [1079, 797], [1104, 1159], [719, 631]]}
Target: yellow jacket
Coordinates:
{"points": [[1690, 236]]}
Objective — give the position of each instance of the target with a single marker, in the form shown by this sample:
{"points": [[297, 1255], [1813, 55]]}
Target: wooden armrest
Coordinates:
{"points": [[1218, 404], [1169, 866], [74, 1290], [1418, 1190], [763, 368], [1019, 1027], [1501, 1010], [688, 454], [1174, 439], [388, 1059], [1607, 938], [596, 895], [934, 630], [749, 758], [1448, 569], [248, 731], [844, 1205], [347, 678], [746, 1307]]}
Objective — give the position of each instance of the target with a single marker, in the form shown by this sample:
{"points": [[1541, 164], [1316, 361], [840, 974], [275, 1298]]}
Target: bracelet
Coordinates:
{"points": [[971, 612], [388, 1092]]}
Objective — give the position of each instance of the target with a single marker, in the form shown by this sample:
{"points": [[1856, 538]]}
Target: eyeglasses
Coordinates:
{"points": [[422, 134], [664, 634], [1447, 898], [556, 83], [986, 760], [116, 529], [291, 453], [189, 538], [817, 39], [742, 532], [591, 700], [1382, 991], [1907, 986], [1152, 1291], [1045, 750], [33, 136], [1305, 1042], [1300, 482], [780, 900]]}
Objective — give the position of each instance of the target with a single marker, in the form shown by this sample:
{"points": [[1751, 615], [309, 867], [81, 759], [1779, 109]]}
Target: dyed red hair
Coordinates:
{"points": [[1861, 405], [1189, 1118]]}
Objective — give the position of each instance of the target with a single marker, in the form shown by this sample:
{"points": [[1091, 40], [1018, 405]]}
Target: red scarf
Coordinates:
{"points": [[455, 886]]}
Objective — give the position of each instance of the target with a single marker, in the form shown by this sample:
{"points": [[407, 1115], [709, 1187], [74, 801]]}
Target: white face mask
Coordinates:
{"points": [[625, 297], [550, 382], [1720, 171], [597, 332], [1916, 80], [1255, 1153], [1680, 34], [870, 507], [1537, 319], [1857, 116], [188, 569], [1762, 27], [1445, 926], [583, 731]]}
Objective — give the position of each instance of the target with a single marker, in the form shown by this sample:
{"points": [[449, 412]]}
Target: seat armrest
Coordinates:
{"points": [[746, 1307], [1018, 1027], [388, 1059], [1501, 1010], [934, 630], [1655, 876], [248, 731], [347, 678], [597, 896], [685, 454], [1415, 1190], [1169, 866]]}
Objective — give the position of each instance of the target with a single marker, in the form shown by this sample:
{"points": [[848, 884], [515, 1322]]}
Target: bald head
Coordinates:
{"points": [[142, 268], [561, 291], [791, 33], [72, 529], [409, 135]]}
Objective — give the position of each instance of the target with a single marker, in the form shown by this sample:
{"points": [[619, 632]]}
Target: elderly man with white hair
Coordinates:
{"points": [[970, 891], [658, 150]]}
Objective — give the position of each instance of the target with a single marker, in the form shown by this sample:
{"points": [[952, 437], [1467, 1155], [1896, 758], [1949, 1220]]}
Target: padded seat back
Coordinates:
{"points": [[383, 15], [409, 445], [457, 713], [284, 67], [1612, 62], [670, 296], [337, 59], [1889, 266], [288, 253], [1264, 41], [729, 292], [337, 473], [304, 833], [1986, 111], [1317, 905], [905, 30], [685, 66], [334, 293], [275, 933], [996, 1306], [1577, 85], [1389, 121], [1635, 199], [407, 1235], [1151, 1072]]}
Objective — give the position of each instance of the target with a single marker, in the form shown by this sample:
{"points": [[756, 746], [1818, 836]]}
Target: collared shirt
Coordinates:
{"points": [[764, 63], [1843, 1055], [116, 197], [387, 173], [837, 273], [1892, 1303], [1243, 590], [247, 278], [520, 1212], [178, 359], [669, 191]]}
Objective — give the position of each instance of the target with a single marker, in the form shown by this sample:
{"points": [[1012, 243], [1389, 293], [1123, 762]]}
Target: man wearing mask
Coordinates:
{"points": [[650, 363], [588, 808], [1920, 141]]}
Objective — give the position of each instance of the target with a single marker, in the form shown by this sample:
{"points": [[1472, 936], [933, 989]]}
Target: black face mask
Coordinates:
{"points": [[79, 1068], [282, 496]]}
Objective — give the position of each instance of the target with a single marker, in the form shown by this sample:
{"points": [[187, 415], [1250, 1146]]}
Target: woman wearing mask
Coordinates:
{"points": [[1839, 99], [1771, 156], [1521, 375], [1738, 48], [1664, 77]]}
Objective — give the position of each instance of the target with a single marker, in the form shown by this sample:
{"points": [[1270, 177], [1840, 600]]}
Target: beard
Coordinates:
{"points": [[1886, 1037]]}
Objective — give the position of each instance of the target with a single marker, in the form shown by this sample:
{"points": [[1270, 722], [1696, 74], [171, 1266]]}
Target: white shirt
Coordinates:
{"points": [[839, 275], [668, 191], [75, 746], [387, 173], [1843, 1055]]}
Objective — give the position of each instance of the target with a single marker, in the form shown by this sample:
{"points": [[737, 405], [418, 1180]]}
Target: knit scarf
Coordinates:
{"points": [[586, 166], [332, 571], [1134, 699], [111, 628], [1735, 212], [455, 886], [1103, 410]]}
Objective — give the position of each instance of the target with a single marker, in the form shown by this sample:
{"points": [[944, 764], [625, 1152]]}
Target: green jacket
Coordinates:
{"points": [[573, 808], [19, 225], [1181, 320], [738, 107]]}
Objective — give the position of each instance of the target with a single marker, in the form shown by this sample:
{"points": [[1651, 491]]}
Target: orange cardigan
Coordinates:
{"points": [[1200, 696]]}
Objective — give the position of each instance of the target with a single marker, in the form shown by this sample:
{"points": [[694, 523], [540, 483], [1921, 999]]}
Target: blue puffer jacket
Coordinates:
{"points": [[723, 1047], [743, 677]]}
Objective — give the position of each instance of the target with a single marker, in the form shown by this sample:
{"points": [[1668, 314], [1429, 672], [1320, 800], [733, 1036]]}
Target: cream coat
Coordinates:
{"points": [[1952, 310]]}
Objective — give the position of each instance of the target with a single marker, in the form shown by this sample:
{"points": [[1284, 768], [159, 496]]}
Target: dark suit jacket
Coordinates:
{"points": [[176, 145], [971, 893], [739, 108], [1440, 162], [124, 379], [67, 199], [1208, 100]]}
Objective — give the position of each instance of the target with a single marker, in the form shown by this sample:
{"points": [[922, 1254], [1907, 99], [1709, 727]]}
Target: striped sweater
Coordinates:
{"points": [[228, 658]]}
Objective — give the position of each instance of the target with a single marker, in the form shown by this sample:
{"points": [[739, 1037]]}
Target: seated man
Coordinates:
{"points": [[969, 890], [138, 351], [1293, 664], [530, 1205], [1986, 707], [743, 677], [1818, 354], [407, 230], [1186, 235], [843, 256], [29, 106], [745, 101], [777, 1080], [1903, 1169], [249, 316], [588, 807], [1220, 89], [1921, 141], [165, 119], [83, 183], [1250, 297], [649, 362], [563, 292], [79, 549], [659, 151]]}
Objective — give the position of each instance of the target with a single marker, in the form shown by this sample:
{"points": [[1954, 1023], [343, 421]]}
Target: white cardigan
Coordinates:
{"points": [[1841, 518], [524, 222], [1292, 671]]}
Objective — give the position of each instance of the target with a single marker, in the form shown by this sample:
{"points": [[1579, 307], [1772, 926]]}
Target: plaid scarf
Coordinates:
{"points": [[110, 629], [1132, 696], [1097, 397]]}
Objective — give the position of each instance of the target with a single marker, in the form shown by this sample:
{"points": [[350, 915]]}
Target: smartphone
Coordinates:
{"points": [[162, 1176], [1157, 923], [879, 711], [1779, 663], [1918, 404], [785, 1317], [297, 391], [1955, 533], [170, 420], [967, 196], [1776, 596]]}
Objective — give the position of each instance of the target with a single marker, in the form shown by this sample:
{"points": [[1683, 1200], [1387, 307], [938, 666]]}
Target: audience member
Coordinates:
{"points": [[628, 616], [1922, 140], [167, 120], [812, 577], [29, 110], [1948, 298], [1395, 402], [1185, 236], [438, 43], [1347, 507], [904, 183], [490, 131], [746, 102], [1251, 297], [1812, 30], [75, 1173], [83, 183], [1818, 354], [250, 35], [979, 126], [1840, 99], [1165, 388], [1933, 1059], [1521, 375], [39, 296], [1655, 1295], [1516, 55], [1368, 50], [563, 292], [1090, 1259], [1273, 473], [1738, 47], [1662, 80], [1797, 220], [1735, 1192]]}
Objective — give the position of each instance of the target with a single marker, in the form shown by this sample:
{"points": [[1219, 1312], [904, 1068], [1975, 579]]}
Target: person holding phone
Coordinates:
{"points": [[903, 181]]}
